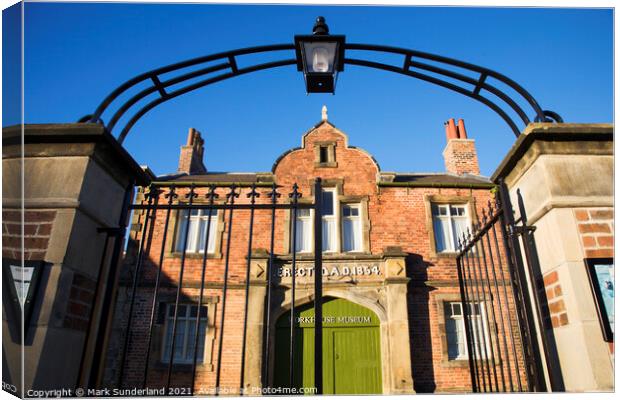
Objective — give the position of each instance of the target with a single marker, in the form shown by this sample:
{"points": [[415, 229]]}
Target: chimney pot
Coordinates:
{"points": [[190, 136], [450, 130], [462, 133]]}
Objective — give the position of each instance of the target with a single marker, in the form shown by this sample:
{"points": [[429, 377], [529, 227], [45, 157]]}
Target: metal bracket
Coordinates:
{"points": [[523, 230], [112, 231]]}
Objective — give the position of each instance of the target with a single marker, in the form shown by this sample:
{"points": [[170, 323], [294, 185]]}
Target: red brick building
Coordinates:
{"points": [[390, 281]]}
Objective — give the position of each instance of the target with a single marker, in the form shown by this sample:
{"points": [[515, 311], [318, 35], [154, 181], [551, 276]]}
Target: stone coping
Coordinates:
{"points": [[77, 133], [550, 132]]}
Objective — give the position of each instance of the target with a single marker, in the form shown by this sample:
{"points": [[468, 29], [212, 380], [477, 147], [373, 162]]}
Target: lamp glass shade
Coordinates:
{"points": [[319, 56]]}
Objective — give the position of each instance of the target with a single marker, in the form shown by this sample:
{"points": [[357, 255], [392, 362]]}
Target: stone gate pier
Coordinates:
{"points": [[75, 178], [561, 175]]}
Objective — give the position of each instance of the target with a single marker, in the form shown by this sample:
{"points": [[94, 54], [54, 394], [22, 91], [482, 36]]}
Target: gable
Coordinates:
{"points": [[346, 162]]}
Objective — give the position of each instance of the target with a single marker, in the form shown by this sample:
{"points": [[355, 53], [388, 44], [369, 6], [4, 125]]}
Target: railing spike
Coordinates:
{"points": [[191, 194], [211, 195], [152, 192], [491, 209], [273, 194], [233, 193], [295, 194], [253, 194], [171, 195]]}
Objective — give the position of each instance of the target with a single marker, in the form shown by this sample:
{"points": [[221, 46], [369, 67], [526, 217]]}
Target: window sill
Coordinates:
{"points": [[447, 254], [461, 362], [210, 256], [352, 256], [456, 363], [326, 165]]}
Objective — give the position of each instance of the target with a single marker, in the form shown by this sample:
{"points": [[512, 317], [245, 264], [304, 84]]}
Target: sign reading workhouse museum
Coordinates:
{"points": [[340, 319], [307, 321], [332, 270]]}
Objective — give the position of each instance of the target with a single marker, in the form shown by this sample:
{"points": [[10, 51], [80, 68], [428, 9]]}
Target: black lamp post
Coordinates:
{"points": [[320, 56]]}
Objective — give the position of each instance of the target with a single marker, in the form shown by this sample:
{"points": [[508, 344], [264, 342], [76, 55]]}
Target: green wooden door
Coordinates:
{"points": [[351, 349]]}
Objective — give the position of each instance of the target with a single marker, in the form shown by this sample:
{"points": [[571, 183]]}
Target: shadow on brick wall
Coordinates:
{"points": [[418, 295]]}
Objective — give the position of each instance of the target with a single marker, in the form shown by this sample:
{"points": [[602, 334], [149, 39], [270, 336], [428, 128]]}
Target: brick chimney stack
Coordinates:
{"points": [[190, 160], [460, 154]]}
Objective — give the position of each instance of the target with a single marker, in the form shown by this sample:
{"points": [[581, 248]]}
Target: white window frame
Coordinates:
{"points": [[459, 334], [332, 220], [450, 240], [193, 245], [308, 221], [186, 357], [358, 230]]}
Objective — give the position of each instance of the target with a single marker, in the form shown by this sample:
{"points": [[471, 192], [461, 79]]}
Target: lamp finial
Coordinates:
{"points": [[320, 27]]}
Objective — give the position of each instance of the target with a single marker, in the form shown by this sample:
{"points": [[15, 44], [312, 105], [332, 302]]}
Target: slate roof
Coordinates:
{"points": [[440, 178], [406, 179], [214, 177]]}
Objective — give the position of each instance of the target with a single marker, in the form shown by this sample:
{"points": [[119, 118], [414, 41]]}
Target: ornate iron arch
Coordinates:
{"points": [[222, 66]]}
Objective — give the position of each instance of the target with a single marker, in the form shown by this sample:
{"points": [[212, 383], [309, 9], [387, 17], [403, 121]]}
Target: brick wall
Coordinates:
{"points": [[37, 230], [81, 296], [556, 315], [460, 157], [596, 228]]}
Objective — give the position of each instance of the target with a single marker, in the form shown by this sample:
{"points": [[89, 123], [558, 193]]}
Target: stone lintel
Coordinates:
{"points": [[339, 257]]}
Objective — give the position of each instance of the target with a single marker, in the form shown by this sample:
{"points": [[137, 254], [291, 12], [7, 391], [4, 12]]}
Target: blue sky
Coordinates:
{"points": [[75, 54]]}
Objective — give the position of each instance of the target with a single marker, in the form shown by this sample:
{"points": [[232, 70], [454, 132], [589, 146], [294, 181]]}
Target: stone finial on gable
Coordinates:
{"points": [[324, 113]]}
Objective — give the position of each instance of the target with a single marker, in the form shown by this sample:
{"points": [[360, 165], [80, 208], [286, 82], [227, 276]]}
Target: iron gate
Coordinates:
{"points": [[156, 311], [501, 334], [174, 294]]}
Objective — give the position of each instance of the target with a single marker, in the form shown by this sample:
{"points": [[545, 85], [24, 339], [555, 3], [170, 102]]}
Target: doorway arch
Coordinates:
{"points": [[351, 348]]}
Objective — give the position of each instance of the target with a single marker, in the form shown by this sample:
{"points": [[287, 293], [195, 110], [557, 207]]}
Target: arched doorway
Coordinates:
{"points": [[351, 348]]}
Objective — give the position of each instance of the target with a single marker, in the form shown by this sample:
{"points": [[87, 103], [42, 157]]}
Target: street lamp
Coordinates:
{"points": [[320, 56]]}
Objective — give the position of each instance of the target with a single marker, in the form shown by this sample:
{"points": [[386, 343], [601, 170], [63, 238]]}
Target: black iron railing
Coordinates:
{"points": [[503, 344], [159, 262]]}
